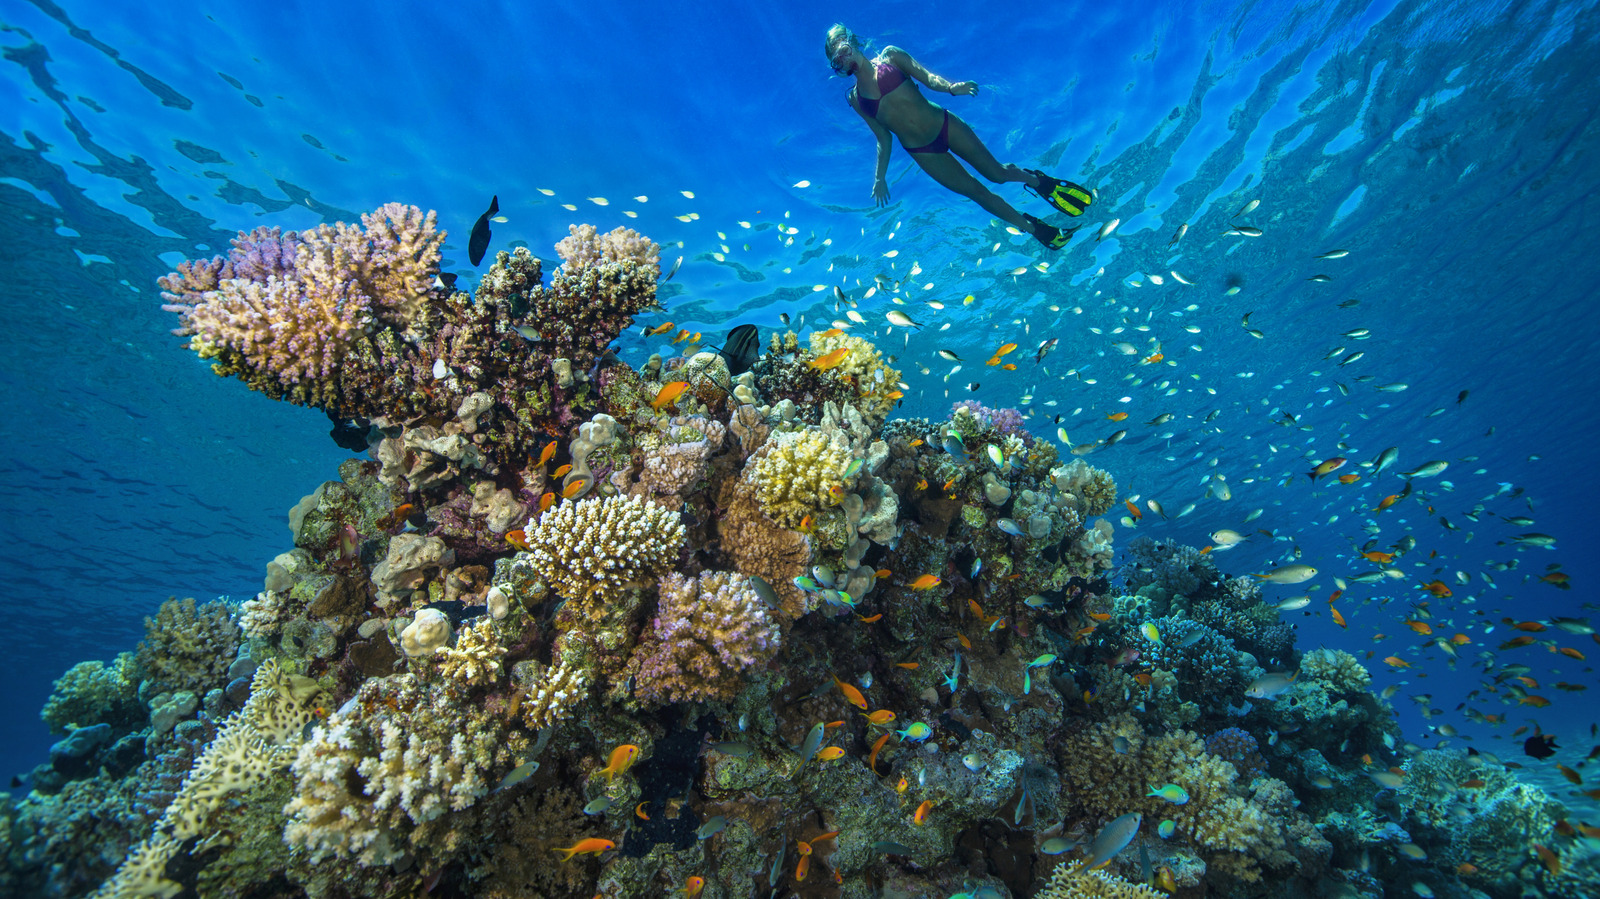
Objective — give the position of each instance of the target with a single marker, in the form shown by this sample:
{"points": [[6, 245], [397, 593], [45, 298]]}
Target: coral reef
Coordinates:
{"points": [[708, 631]]}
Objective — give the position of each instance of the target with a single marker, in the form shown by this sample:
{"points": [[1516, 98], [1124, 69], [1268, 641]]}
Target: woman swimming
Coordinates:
{"points": [[890, 103]]}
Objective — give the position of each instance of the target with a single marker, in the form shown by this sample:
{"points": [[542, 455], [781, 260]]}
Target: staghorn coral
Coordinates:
{"points": [[798, 474], [188, 648], [285, 307], [708, 631], [1223, 821]]}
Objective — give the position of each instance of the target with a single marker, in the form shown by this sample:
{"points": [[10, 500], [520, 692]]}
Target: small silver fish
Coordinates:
{"points": [[1107, 228]]}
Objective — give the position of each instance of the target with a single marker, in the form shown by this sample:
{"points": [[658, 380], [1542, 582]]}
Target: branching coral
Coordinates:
{"points": [[188, 648], [708, 632], [91, 693], [876, 385], [1094, 488], [288, 305], [475, 659], [1340, 670], [1071, 881], [597, 548]]}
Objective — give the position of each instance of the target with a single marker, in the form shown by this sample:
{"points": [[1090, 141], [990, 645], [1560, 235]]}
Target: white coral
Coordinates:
{"points": [[475, 659], [600, 547]]}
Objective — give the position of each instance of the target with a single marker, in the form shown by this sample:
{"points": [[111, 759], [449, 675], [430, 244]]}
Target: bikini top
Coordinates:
{"points": [[888, 78]]}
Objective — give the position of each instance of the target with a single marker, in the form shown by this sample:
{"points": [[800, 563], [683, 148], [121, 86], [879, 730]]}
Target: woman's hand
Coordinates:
{"points": [[880, 192], [964, 89]]}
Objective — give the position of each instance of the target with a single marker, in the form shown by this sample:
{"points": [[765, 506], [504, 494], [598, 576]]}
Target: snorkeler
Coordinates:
{"points": [[890, 104]]}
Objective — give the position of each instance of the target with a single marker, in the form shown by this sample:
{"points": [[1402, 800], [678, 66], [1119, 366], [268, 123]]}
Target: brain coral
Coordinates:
{"points": [[597, 548], [795, 472], [1223, 821]]}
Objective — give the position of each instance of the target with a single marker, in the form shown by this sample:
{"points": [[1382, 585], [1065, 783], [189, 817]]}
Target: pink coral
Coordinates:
{"points": [[707, 631], [291, 304]]}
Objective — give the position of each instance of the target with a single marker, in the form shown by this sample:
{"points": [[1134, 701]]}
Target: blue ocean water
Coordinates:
{"points": [[1450, 148]]}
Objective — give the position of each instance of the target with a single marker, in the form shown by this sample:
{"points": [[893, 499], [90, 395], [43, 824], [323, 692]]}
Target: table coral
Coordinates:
{"points": [[708, 632]]}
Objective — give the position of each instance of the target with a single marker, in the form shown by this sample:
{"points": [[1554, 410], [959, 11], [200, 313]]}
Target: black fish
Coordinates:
{"points": [[350, 433], [1540, 746], [741, 348], [478, 244]]}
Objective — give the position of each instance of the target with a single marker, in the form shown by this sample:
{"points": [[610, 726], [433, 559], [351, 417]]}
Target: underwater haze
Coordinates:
{"points": [[1279, 471]]}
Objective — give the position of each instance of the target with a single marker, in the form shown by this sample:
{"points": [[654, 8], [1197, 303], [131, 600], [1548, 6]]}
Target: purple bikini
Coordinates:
{"points": [[888, 77]]}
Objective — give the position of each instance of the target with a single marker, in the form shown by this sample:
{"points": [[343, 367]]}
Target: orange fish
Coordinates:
{"points": [[916, 442], [1477, 783], [807, 525], [1437, 588], [952, 482], [1117, 416], [1532, 627], [1379, 557], [962, 639], [1387, 501], [1349, 478], [669, 393], [546, 501], [1328, 466], [1537, 702], [882, 573], [1572, 776], [1338, 618], [1421, 627], [1571, 653], [831, 332], [1010, 366], [1004, 349], [871, 619], [993, 360], [692, 887], [851, 694], [872, 757], [824, 837], [639, 810], [1551, 861], [574, 488], [1515, 642], [402, 512], [1334, 596], [922, 484], [622, 758], [801, 869], [1558, 579], [1152, 359], [1142, 678], [1460, 639], [831, 360], [659, 329], [920, 817], [547, 453], [880, 717], [1133, 510], [830, 753], [1101, 617], [518, 539], [909, 666], [803, 847], [591, 846], [563, 471], [925, 582], [681, 337], [1396, 661]]}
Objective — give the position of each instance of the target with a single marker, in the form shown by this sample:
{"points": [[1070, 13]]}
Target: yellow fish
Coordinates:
{"points": [[831, 360], [669, 393]]}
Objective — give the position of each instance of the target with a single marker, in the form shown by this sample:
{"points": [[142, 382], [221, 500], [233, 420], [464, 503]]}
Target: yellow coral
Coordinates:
{"points": [[877, 385], [1070, 881], [1231, 829], [475, 659], [795, 474]]}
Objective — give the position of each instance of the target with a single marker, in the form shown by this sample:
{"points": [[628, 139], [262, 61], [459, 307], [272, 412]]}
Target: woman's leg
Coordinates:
{"points": [[947, 171], [964, 142]]}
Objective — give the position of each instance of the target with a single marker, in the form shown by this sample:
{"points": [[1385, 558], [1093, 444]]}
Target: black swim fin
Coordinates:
{"points": [[1070, 198], [1049, 235]]}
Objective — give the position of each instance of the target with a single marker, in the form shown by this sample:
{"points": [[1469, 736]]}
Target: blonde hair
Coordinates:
{"points": [[835, 35]]}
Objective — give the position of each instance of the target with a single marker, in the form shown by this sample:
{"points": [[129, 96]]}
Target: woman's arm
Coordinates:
{"points": [[880, 179], [903, 61]]}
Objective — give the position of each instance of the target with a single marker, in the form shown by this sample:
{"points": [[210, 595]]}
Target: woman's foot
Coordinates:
{"points": [[1063, 195], [1048, 234]]}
